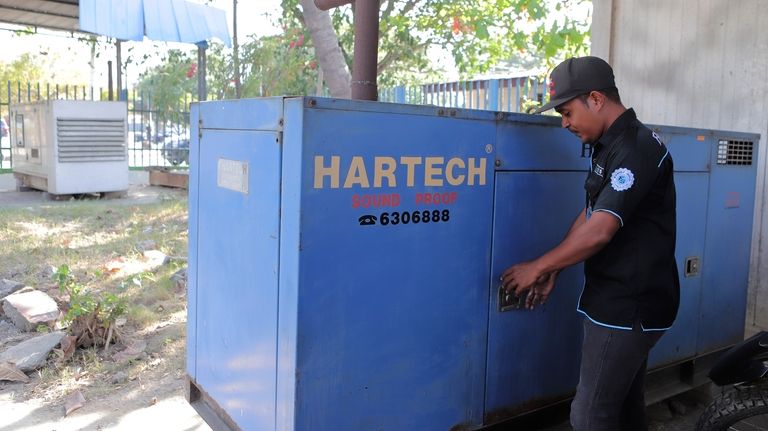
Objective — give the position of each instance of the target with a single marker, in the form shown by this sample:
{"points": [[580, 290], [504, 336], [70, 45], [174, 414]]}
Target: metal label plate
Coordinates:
{"points": [[232, 175]]}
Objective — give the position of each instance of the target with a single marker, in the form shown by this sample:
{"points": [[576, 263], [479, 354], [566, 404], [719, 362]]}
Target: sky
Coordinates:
{"points": [[69, 58]]}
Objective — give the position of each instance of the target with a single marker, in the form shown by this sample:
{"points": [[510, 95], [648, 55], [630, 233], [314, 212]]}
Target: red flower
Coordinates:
{"points": [[456, 25], [192, 69]]}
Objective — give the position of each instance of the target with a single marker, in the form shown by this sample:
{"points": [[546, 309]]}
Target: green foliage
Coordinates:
{"points": [[26, 68], [167, 87], [278, 65], [529, 105], [106, 308], [273, 65], [111, 307], [220, 73], [137, 279], [479, 34]]}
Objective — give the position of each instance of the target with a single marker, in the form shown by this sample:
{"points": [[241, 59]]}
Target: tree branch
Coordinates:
{"points": [[347, 58], [297, 14], [388, 11], [387, 61], [408, 7], [394, 55]]}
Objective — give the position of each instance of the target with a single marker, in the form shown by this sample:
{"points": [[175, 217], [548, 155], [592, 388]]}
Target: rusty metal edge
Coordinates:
{"points": [[168, 178], [208, 408]]}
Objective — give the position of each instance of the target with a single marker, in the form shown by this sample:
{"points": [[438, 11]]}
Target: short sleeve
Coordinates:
{"points": [[631, 175]]}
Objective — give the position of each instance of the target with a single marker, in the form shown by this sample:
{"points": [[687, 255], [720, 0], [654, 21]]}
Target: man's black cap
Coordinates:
{"points": [[576, 76]]}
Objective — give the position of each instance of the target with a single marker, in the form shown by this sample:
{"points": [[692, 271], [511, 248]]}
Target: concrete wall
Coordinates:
{"points": [[695, 63], [139, 178]]}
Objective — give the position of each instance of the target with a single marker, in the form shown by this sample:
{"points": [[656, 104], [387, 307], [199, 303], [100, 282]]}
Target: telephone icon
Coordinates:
{"points": [[367, 220]]}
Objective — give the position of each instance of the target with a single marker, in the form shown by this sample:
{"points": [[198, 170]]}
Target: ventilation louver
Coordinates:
{"points": [[90, 140], [733, 152]]}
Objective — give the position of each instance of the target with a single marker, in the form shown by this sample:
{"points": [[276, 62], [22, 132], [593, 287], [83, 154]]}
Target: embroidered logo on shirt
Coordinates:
{"points": [[622, 179], [598, 170]]}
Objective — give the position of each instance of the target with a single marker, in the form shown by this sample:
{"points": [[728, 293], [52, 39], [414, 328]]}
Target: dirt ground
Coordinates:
{"points": [[145, 393], [137, 195], [150, 400], [148, 392]]}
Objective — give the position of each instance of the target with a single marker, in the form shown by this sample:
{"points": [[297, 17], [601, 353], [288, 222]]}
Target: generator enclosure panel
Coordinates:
{"points": [[345, 260], [70, 146]]}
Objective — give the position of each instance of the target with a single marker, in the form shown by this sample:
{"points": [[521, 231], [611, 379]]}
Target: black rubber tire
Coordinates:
{"points": [[732, 406]]}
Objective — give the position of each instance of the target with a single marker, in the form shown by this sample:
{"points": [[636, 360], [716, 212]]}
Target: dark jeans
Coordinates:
{"points": [[610, 395]]}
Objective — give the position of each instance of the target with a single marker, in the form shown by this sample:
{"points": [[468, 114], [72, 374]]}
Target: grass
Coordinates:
{"points": [[100, 241], [87, 236], [142, 315]]}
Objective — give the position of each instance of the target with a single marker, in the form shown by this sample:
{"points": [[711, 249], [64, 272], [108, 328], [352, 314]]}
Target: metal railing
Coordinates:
{"points": [[162, 139], [522, 94], [154, 138]]}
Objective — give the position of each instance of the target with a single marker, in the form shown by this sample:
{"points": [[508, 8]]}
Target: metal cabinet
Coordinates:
{"points": [[345, 257], [70, 146], [533, 356]]}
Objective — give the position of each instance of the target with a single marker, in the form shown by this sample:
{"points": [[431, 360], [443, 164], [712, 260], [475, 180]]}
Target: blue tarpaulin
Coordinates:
{"points": [[164, 20]]}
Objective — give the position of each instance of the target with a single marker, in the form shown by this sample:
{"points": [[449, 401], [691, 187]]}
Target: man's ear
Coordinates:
{"points": [[596, 100]]}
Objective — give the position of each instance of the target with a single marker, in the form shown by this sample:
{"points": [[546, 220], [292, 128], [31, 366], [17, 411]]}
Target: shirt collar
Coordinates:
{"points": [[617, 128]]}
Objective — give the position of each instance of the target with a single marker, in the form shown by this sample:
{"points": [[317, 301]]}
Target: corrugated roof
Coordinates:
{"points": [[54, 14], [163, 20]]}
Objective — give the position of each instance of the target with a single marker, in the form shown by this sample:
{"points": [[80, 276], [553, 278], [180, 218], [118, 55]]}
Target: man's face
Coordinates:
{"points": [[580, 117]]}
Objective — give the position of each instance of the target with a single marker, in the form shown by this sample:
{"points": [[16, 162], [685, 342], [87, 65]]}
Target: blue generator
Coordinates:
{"points": [[344, 259]]}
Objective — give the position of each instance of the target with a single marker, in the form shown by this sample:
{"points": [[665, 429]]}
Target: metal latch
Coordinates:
{"points": [[508, 301], [692, 266]]}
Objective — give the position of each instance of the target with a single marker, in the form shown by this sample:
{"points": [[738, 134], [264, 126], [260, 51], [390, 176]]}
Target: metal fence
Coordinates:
{"points": [[522, 94], [153, 141], [154, 138]]}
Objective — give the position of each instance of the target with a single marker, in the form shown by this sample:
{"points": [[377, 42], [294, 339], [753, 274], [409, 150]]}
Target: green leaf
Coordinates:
{"points": [[481, 30]]}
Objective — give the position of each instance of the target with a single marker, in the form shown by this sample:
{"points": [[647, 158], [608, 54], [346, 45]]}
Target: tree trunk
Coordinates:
{"points": [[92, 64], [319, 86], [327, 49]]}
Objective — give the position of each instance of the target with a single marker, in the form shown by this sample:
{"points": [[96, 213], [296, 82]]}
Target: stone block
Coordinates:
{"points": [[27, 310], [156, 258], [8, 287], [32, 354]]}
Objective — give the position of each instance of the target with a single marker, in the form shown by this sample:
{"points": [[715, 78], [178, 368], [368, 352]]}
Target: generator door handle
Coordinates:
{"points": [[508, 301]]}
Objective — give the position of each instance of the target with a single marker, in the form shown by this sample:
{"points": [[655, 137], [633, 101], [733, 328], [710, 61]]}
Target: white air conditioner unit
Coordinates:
{"points": [[70, 146]]}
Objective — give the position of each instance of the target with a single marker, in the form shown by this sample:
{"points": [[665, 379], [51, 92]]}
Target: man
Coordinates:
{"points": [[625, 235]]}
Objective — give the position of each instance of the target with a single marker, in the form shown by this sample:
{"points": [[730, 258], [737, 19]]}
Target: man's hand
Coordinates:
{"points": [[521, 277], [541, 290], [527, 276]]}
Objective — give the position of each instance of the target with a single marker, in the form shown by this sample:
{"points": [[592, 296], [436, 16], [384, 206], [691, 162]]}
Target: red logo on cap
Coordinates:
{"points": [[551, 86]]}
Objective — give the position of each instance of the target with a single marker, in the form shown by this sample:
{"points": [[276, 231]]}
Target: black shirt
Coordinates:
{"points": [[633, 280]]}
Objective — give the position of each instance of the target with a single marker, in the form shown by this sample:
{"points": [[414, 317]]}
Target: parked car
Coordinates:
{"points": [[176, 149], [137, 135], [159, 136]]}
